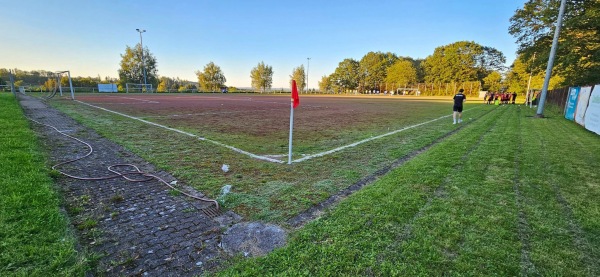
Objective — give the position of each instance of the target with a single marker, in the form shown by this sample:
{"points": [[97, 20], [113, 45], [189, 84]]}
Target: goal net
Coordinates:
{"points": [[130, 87], [58, 86]]}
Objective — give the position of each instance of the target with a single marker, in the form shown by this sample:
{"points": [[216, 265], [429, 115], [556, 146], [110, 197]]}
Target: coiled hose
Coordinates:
{"points": [[112, 168]]}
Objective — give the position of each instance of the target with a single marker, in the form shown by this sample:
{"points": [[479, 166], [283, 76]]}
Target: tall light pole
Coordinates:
{"points": [[544, 92], [143, 61], [307, 66]]}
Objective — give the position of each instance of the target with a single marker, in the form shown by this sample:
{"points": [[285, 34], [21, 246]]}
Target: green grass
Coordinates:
{"points": [[510, 195], [35, 237], [507, 194]]}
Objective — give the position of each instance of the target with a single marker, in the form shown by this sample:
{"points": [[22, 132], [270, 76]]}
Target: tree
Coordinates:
{"points": [[163, 84], [346, 75], [578, 55], [262, 77], [212, 78], [50, 84], [325, 85], [402, 72], [418, 64], [188, 87], [167, 84], [373, 69], [488, 61], [517, 77], [492, 82], [299, 75], [462, 61], [132, 69], [520, 71]]}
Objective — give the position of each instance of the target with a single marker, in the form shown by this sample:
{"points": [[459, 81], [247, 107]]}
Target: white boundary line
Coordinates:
{"points": [[308, 157], [365, 140], [188, 134]]}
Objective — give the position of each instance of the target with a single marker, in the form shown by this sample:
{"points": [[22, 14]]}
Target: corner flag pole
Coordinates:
{"points": [[295, 102]]}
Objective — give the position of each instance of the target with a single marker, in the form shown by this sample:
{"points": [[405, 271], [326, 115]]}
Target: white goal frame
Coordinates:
{"points": [[58, 75], [132, 87]]}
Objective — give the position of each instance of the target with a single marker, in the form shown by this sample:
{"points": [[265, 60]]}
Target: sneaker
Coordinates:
{"points": [[460, 121], [454, 122]]}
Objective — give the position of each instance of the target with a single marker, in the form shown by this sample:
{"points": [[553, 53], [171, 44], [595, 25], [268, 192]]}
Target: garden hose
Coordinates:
{"points": [[113, 168]]}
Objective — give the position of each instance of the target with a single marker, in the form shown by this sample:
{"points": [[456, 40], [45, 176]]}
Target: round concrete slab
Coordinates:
{"points": [[253, 239]]}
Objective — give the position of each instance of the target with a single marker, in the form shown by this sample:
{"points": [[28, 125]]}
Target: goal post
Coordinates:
{"points": [[131, 87], [59, 75]]}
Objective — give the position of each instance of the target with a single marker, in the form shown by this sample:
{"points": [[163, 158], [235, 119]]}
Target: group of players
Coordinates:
{"points": [[499, 98]]}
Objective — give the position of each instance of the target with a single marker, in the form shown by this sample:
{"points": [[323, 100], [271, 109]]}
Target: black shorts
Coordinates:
{"points": [[457, 108]]}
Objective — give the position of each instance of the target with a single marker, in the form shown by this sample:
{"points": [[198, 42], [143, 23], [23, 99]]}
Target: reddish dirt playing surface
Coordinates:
{"points": [[250, 119]]}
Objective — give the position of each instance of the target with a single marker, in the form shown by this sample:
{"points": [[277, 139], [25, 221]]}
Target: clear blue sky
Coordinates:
{"points": [[87, 37]]}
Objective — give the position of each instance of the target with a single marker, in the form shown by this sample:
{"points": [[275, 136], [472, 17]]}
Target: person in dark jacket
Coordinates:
{"points": [[457, 109]]}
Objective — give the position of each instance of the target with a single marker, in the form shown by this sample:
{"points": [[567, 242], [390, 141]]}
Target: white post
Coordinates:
{"points": [[307, 66], [527, 98], [291, 128], [12, 82], [59, 79], [71, 85]]}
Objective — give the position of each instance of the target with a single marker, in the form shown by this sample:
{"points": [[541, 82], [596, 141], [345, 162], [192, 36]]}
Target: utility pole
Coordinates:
{"points": [[540, 109], [307, 66], [143, 61]]}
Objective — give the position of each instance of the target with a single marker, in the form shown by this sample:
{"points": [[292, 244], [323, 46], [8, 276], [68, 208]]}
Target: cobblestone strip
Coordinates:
{"points": [[135, 228]]}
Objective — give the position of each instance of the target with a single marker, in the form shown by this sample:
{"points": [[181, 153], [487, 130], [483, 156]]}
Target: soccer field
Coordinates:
{"points": [[259, 124], [338, 140]]}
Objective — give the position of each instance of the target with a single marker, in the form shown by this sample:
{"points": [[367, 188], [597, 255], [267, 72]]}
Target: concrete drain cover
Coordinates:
{"points": [[253, 239]]}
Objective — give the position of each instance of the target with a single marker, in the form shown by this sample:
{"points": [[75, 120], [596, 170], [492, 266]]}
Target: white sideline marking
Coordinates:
{"points": [[207, 113], [308, 157], [188, 134], [124, 103], [143, 100], [249, 99]]}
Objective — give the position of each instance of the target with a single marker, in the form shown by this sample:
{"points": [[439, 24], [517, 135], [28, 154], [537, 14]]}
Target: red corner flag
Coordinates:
{"points": [[295, 97]]}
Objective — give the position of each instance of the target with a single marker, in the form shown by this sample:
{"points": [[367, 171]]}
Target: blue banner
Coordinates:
{"points": [[572, 103]]}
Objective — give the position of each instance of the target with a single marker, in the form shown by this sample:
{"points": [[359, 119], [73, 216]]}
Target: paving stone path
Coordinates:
{"points": [[134, 228]]}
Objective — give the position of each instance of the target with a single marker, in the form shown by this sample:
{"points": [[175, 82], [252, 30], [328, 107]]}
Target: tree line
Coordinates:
{"points": [[577, 59], [468, 64], [465, 64], [461, 63]]}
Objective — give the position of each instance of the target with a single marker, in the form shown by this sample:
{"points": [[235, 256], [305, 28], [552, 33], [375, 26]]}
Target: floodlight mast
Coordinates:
{"points": [[307, 66], [143, 61]]}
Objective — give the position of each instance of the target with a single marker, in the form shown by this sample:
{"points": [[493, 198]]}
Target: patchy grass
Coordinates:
{"points": [[510, 195], [35, 239], [276, 192]]}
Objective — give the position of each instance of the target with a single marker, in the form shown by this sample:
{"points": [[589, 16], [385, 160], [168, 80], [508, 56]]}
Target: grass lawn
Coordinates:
{"points": [[35, 239], [502, 194], [510, 195]]}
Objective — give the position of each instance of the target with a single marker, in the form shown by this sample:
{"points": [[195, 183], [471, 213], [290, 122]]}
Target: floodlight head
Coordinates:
{"points": [[141, 31]]}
